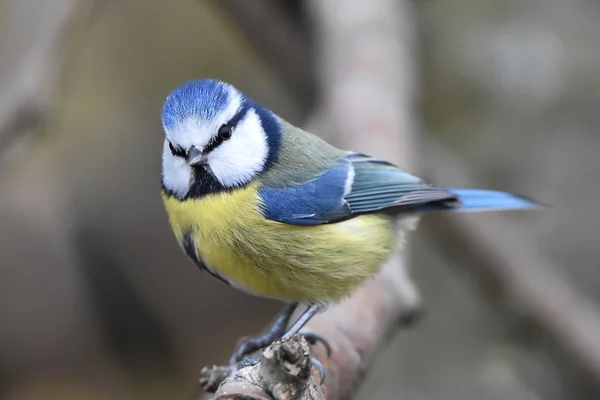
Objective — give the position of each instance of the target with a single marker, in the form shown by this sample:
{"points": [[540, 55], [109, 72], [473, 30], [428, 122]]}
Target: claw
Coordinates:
{"points": [[246, 362], [249, 362], [247, 347], [320, 368], [313, 338], [275, 332]]}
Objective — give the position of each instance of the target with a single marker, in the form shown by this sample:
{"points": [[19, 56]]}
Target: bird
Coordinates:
{"points": [[278, 212]]}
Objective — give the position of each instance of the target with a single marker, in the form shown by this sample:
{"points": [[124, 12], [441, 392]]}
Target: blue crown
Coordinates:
{"points": [[202, 99]]}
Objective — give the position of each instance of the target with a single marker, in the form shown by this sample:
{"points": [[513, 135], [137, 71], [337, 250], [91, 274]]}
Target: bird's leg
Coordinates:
{"points": [[302, 320], [276, 331], [311, 338]]}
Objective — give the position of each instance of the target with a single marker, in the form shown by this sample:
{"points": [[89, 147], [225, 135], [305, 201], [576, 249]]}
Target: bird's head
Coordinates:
{"points": [[216, 139]]}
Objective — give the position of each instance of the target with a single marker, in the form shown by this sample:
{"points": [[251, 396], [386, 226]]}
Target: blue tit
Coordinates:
{"points": [[277, 212]]}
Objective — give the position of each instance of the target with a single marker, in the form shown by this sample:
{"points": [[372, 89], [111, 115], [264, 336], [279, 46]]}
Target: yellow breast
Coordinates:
{"points": [[273, 259]]}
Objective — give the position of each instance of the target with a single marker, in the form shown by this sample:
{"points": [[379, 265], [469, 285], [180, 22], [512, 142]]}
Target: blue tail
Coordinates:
{"points": [[482, 200]]}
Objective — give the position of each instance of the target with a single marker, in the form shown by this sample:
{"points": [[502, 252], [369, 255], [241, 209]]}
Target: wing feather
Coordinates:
{"points": [[355, 184]]}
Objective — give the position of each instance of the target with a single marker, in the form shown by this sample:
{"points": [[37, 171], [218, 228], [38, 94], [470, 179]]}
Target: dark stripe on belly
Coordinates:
{"points": [[190, 250]]}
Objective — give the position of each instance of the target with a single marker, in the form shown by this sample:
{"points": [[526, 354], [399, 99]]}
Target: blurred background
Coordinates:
{"points": [[98, 302]]}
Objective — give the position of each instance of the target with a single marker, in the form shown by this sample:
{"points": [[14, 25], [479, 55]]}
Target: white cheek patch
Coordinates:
{"points": [[239, 159], [176, 173]]}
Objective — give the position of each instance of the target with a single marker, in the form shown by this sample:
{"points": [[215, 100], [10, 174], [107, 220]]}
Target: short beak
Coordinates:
{"points": [[195, 157]]}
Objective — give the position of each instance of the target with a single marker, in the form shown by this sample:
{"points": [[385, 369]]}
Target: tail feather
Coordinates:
{"points": [[482, 200]]}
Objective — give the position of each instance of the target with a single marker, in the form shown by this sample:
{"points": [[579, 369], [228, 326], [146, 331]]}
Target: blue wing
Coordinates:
{"points": [[356, 184], [379, 185], [318, 201]]}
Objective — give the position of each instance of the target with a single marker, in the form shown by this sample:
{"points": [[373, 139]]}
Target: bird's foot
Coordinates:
{"points": [[250, 362], [252, 345], [275, 332], [246, 362]]}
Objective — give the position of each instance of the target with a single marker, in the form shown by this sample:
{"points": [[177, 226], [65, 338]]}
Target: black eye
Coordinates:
{"points": [[176, 152], [224, 132]]}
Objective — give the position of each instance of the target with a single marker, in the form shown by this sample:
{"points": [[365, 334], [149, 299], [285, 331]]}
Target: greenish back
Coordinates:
{"points": [[302, 156]]}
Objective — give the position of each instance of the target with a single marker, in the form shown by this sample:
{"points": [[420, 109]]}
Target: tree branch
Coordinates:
{"points": [[282, 373]]}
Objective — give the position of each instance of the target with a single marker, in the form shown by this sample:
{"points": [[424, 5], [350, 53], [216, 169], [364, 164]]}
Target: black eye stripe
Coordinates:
{"points": [[241, 113], [218, 139], [176, 151], [214, 142]]}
